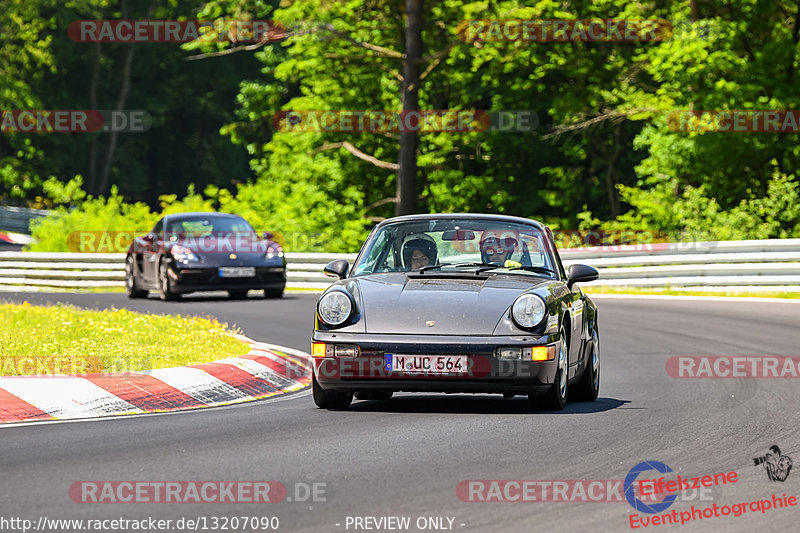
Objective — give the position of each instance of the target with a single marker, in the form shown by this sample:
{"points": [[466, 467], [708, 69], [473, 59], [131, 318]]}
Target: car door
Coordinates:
{"points": [[150, 253], [574, 300]]}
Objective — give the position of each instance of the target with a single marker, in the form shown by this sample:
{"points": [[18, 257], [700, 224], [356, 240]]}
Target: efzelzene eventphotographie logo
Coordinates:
{"points": [[630, 485]]}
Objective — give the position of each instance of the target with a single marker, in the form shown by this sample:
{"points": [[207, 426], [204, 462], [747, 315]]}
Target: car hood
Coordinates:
{"points": [[397, 303]]}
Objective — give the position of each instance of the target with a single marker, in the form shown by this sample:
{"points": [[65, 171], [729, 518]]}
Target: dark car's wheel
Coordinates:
{"points": [[378, 395], [238, 294], [165, 284], [556, 396], [131, 287], [589, 385], [273, 293], [328, 399]]}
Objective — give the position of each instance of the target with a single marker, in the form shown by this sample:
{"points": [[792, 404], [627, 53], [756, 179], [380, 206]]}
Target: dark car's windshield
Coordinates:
{"points": [[457, 244], [205, 226]]}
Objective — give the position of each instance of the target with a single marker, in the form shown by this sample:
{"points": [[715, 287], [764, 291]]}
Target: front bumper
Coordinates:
{"points": [[188, 279], [485, 373]]}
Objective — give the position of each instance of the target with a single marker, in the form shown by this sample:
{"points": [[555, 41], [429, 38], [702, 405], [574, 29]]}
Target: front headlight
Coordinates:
{"points": [[274, 252], [528, 310], [184, 254], [335, 307]]}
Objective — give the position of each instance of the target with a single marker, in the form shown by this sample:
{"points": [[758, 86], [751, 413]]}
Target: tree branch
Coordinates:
{"points": [[228, 51], [613, 115], [356, 152], [369, 46]]}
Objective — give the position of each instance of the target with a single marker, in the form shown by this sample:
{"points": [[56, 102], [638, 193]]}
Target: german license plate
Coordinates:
{"points": [[426, 364], [237, 272]]}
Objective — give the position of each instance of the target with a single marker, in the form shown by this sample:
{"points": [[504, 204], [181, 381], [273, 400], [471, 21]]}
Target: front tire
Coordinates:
{"points": [[328, 399], [165, 284], [589, 385], [131, 288], [273, 293], [238, 294], [556, 396]]}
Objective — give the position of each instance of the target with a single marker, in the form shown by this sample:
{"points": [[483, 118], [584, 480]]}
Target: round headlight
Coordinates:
{"points": [[334, 308], [529, 310]]}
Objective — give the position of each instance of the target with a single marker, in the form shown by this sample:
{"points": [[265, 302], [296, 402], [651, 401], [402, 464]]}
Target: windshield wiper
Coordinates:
{"points": [[440, 265], [537, 269]]}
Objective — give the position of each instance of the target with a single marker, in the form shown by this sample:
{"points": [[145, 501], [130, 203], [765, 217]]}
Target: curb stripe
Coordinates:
{"points": [[145, 392], [281, 368], [260, 370], [267, 370], [67, 397], [199, 384], [240, 379], [14, 409]]}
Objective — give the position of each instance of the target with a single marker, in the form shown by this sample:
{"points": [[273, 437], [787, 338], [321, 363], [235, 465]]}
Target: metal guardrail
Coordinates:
{"points": [[18, 219], [750, 265]]}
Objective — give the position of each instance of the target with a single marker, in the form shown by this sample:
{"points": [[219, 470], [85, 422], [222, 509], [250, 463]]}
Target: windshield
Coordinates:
{"points": [[206, 226], [454, 244]]}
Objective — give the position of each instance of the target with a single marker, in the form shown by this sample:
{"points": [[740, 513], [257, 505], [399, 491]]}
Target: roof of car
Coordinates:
{"points": [[476, 216], [194, 214]]}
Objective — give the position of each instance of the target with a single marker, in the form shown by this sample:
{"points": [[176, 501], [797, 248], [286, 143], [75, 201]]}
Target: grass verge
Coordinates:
{"points": [[63, 339]]}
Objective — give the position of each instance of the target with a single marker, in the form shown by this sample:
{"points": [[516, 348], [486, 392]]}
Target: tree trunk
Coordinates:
{"points": [[409, 140]]}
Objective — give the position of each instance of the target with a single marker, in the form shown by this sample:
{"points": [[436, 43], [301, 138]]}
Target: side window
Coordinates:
{"points": [[159, 227], [379, 258]]}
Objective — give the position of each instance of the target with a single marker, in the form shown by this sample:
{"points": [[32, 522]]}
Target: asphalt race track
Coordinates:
{"points": [[406, 457]]}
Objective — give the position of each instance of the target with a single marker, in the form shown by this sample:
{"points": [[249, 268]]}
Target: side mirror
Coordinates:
{"points": [[337, 269], [150, 237], [268, 235], [578, 273]]}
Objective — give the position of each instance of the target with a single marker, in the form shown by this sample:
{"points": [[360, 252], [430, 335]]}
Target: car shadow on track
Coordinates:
{"points": [[219, 297], [461, 404]]}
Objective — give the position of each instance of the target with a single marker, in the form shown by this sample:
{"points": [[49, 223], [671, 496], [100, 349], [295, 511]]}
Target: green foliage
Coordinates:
{"points": [[604, 153], [692, 215], [61, 231]]}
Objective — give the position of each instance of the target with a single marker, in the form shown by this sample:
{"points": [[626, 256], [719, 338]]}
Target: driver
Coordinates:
{"points": [[497, 247], [419, 250]]}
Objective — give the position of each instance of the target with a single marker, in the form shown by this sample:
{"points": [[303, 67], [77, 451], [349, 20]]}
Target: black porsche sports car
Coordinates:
{"points": [[190, 252], [456, 303]]}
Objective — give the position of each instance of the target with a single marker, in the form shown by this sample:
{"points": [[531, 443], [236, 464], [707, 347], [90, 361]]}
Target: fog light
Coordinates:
{"points": [[346, 350], [320, 349], [509, 353]]}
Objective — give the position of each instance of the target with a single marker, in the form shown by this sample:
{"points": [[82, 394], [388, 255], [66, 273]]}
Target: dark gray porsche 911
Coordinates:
{"points": [[456, 303]]}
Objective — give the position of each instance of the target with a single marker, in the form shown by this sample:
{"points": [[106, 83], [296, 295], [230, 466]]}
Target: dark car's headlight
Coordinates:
{"points": [[273, 252], [184, 254], [335, 307], [528, 310]]}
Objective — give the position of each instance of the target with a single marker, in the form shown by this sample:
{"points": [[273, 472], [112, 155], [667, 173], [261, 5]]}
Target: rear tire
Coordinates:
{"points": [[380, 396], [589, 385], [326, 399], [556, 396], [238, 295], [131, 288], [165, 284], [273, 293]]}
